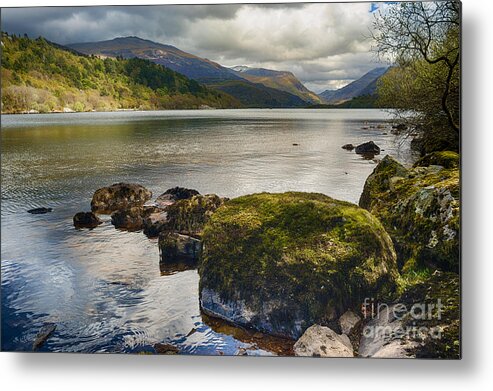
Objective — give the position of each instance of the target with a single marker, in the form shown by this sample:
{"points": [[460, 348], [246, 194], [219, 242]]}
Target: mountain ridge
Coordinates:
{"points": [[280, 89], [365, 85]]}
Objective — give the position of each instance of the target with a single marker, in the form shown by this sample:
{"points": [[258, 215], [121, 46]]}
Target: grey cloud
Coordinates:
{"points": [[323, 44]]}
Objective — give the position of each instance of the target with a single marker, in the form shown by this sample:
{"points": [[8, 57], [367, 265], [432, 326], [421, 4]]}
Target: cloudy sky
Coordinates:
{"points": [[324, 45]]}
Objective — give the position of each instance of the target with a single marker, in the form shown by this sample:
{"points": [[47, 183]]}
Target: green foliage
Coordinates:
{"points": [[423, 40], [41, 76]]}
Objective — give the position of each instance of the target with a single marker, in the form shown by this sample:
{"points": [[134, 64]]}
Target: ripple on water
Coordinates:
{"points": [[103, 288]]}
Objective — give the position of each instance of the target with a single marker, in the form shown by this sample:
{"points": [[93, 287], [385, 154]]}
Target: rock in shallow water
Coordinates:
{"points": [[369, 148], [174, 247], [320, 341], [164, 348], [282, 262], [43, 334], [119, 196], [39, 211], [86, 220], [129, 219]]}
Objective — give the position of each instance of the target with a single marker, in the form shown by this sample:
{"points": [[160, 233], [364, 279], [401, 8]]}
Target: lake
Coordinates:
{"points": [[103, 288]]}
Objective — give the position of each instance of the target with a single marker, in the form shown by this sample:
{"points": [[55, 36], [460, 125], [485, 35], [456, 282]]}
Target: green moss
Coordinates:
{"points": [[443, 288], [188, 216], [307, 251], [447, 159], [420, 210]]}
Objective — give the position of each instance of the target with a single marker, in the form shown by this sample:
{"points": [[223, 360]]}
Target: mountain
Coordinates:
{"points": [[255, 95], [365, 85], [38, 75], [280, 80], [200, 69], [251, 93]]}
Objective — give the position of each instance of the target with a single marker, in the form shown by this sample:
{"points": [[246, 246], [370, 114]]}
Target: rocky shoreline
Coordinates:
{"points": [[325, 273]]}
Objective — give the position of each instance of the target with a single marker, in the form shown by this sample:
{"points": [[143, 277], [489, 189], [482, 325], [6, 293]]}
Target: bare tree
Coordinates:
{"points": [[423, 31]]}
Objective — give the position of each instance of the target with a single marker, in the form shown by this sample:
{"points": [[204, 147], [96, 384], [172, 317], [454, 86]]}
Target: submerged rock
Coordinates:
{"points": [[86, 220], [164, 348], [43, 334], [40, 211], [348, 147], [369, 148], [119, 196], [282, 262], [319, 341], [419, 209]]}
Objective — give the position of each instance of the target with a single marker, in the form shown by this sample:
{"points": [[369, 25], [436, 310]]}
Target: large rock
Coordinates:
{"points": [[118, 197], [424, 322], [419, 208], [282, 262], [319, 341], [86, 220]]}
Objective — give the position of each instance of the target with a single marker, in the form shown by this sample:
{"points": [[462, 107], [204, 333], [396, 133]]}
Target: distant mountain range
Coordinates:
{"points": [[364, 86], [280, 89], [280, 80]]}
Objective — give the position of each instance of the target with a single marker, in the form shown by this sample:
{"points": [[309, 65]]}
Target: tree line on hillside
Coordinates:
{"points": [[38, 75]]}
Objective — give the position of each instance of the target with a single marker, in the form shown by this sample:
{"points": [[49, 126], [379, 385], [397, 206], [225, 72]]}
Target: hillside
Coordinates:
{"points": [[41, 76], [200, 69], [257, 95], [365, 85], [280, 80], [251, 93]]}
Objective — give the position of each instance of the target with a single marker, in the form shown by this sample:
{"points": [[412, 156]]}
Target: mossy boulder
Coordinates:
{"points": [[283, 262], [419, 208], [119, 196]]}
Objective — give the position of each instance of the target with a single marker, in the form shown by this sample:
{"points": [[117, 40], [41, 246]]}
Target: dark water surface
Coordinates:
{"points": [[103, 288]]}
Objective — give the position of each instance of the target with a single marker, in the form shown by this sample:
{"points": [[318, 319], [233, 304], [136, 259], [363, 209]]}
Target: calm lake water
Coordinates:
{"points": [[103, 288]]}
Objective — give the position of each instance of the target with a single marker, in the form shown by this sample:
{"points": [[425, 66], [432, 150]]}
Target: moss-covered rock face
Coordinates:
{"points": [[419, 208], [446, 159], [282, 262], [188, 216]]}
